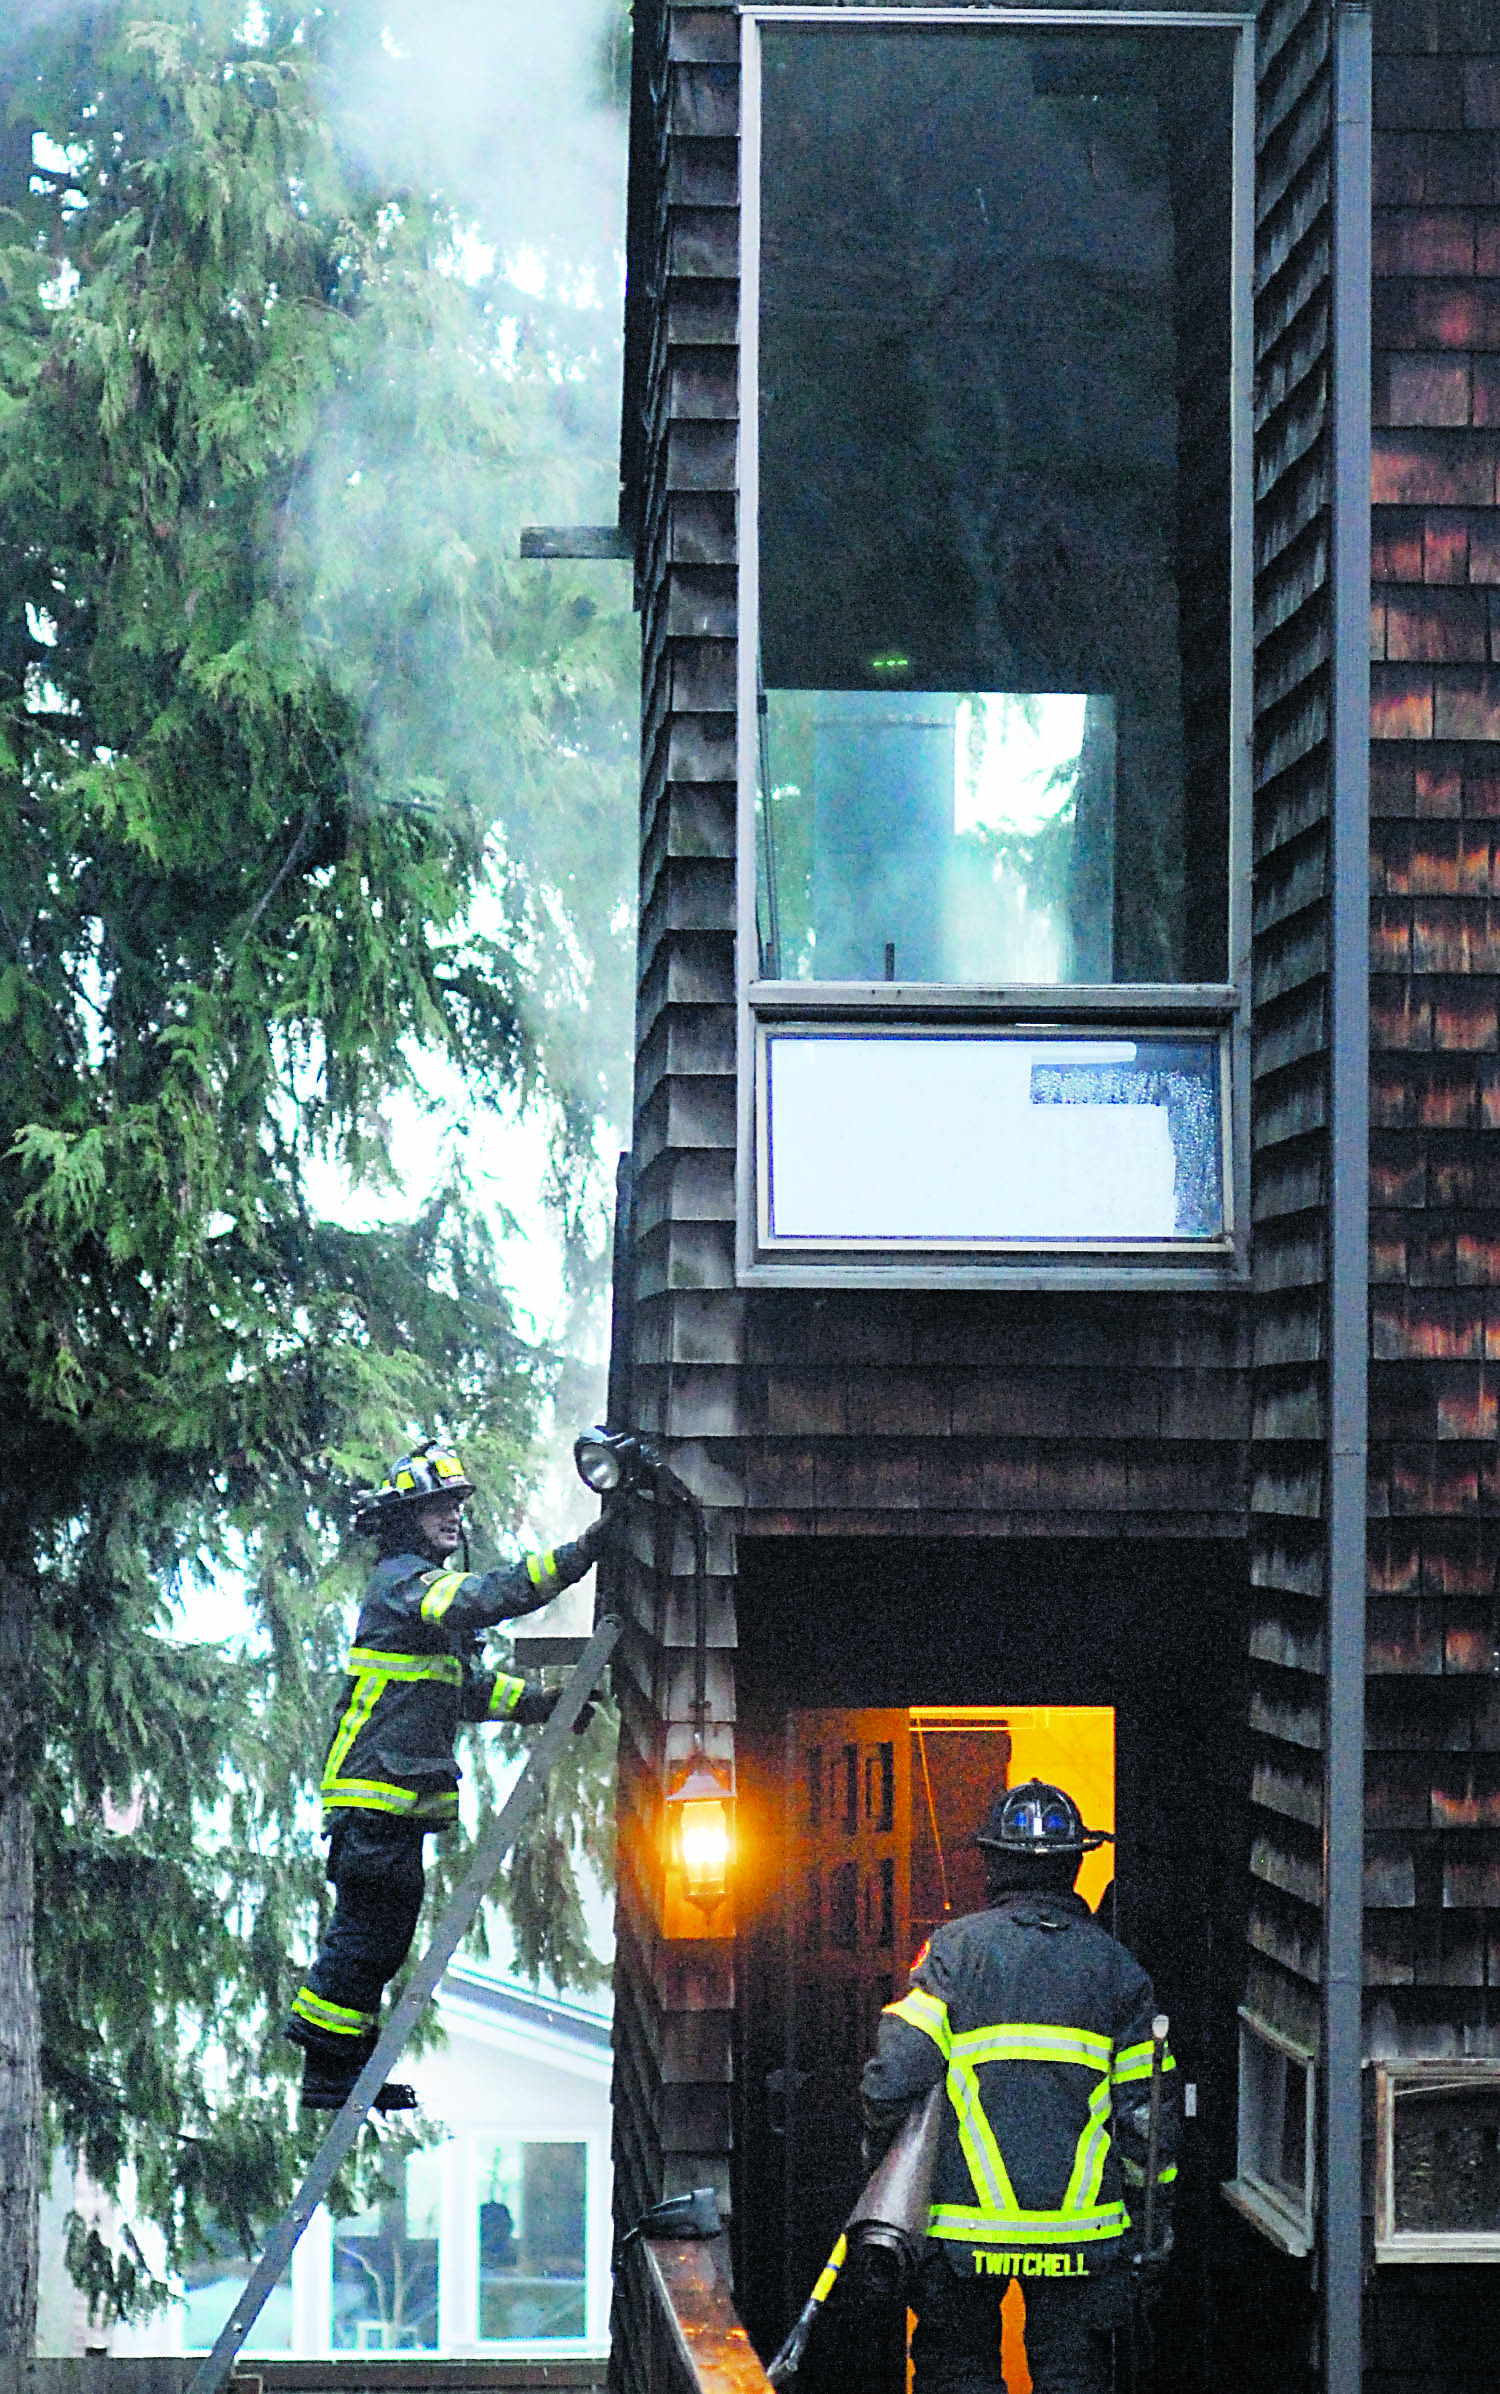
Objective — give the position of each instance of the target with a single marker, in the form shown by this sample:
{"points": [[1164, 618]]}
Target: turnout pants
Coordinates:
{"points": [[955, 2348], [375, 1866]]}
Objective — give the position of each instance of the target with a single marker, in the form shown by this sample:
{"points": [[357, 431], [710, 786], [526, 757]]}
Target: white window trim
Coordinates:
{"points": [[812, 1002], [898, 1025], [1391, 2244], [1287, 2225]]}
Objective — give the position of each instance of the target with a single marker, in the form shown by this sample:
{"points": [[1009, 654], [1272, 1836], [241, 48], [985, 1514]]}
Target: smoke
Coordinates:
{"points": [[505, 110]]}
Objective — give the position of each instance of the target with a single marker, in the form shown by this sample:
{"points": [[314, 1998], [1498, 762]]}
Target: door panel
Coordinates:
{"points": [[846, 1881]]}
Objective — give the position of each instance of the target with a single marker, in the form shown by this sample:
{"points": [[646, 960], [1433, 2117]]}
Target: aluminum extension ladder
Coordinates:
{"points": [[489, 1852]]}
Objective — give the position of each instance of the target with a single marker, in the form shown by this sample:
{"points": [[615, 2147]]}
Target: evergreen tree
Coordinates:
{"points": [[308, 801]]}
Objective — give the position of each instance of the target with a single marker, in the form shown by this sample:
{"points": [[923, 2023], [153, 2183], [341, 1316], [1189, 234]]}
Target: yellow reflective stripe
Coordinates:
{"points": [[407, 1666], [1134, 2061], [1030, 2040], [440, 1594], [367, 1795], [362, 1702], [374, 1795], [986, 2168], [506, 1695], [831, 2268], [1082, 2190], [927, 2012], [968, 2223], [541, 1569], [336, 2018], [1134, 2174]]}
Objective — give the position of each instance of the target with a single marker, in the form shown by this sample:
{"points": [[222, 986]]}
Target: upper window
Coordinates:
{"points": [[994, 504]]}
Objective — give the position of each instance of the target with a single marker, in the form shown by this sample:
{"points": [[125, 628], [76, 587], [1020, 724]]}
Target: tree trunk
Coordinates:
{"points": [[20, 2026]]}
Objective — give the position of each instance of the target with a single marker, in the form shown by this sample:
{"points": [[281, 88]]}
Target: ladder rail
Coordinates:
{"points": [[489, 1852]]}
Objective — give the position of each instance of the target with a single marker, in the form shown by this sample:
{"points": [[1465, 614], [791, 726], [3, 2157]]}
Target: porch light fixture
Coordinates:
{"points": [[699, 1815]]}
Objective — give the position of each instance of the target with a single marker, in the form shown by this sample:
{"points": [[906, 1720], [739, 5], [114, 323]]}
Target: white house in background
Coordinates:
{"points": [[496, 2240]]}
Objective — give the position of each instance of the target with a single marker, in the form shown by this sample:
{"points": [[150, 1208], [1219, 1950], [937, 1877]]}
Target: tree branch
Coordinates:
{"points": [[292, 854]]}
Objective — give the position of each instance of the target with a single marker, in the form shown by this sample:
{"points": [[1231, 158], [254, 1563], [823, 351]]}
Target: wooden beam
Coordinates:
{"points": [[576, 540]]}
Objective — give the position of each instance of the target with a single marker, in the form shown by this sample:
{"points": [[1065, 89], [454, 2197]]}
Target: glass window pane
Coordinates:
{"points": [[1447, 2157], [213, 2285], [994, 505], [532, 2241], [1002, 1138], [1273, 2120], [385, 2265]]}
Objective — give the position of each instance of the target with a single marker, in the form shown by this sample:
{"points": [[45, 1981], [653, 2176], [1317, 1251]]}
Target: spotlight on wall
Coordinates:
{"points": [[611, 1461]]}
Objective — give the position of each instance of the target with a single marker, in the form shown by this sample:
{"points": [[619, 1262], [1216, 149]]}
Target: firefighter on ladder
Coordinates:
{"points": [[390, 1776], [1041, 2025]]}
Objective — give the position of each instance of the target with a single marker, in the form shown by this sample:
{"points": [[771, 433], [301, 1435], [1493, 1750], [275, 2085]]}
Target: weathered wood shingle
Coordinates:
{"points": [[1435, 963]]}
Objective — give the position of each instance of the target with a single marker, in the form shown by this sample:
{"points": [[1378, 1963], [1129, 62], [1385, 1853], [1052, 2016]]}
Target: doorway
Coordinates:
{"points": [[873, 1734]]}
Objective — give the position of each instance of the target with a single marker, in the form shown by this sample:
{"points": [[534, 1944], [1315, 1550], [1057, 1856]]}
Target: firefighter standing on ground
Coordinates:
{"points": [[1041, 2025], [390, 1777]]}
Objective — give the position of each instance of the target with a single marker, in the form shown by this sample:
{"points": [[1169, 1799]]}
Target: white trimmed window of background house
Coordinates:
{"points": [[486, 2243], [495, 2240]]}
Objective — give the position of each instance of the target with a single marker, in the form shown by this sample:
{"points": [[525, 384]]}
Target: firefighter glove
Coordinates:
{"points": [[537, 1704], [601, 1535]]}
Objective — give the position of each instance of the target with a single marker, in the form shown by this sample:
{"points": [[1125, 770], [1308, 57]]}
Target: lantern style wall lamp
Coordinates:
{"points": [[698, 1809]]}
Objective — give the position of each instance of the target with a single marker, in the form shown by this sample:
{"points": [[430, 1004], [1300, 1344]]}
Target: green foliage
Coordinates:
{"points": [[310, 802]]}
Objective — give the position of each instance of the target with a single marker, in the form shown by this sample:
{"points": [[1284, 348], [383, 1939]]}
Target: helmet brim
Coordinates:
{"points": [[1092, 1839]]}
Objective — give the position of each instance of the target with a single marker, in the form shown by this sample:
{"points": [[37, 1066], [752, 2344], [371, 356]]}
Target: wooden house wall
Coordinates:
{"points": [[826, 1414], [673, 1995], [1432, 1795], [1289, 1102], [1433, 1783], [1030, 1415]]}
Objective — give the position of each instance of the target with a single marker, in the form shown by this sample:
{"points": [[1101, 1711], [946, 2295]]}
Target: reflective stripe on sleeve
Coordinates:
{"points": [[1133, 2172], [505, 1696], [927, 2012], [541, 1569], [1134, 2061], [440, 1593]]}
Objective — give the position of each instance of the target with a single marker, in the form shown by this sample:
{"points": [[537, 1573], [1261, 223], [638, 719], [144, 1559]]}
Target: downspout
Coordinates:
{"points": [[1340, 2104]]}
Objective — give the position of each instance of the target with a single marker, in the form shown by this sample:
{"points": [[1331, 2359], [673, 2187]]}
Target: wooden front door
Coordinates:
{"points": [[846, 1892]]}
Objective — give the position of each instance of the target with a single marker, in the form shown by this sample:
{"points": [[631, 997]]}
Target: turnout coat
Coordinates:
{"points": [[415, 1672], [1039, 2024]]}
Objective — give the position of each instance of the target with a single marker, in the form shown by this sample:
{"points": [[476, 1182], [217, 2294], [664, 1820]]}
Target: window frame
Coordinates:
{"points": [[1113, 1009], [1398, 2245], [1283, 2223], [905, 1022], [311, 2267]]}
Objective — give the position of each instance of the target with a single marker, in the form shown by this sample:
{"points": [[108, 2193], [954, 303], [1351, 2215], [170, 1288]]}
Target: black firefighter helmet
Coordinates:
{"points": [[431, 1469], [1039, 1819]]}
